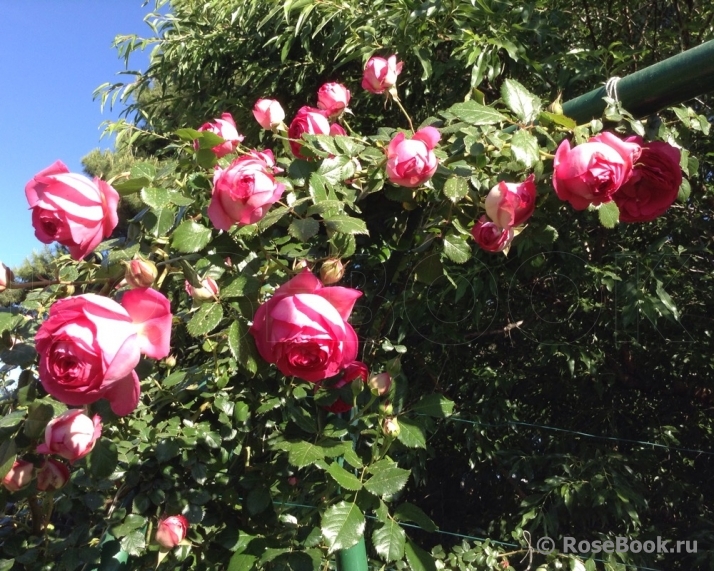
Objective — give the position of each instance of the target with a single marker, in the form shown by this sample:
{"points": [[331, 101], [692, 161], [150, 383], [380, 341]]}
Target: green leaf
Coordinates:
{"points": [[342, 526], [155, 197], [143, 170], [317, 188], [175, 197], [410, 512], [422, 55], [190, 237], [325, 206], [272, 217], [411, 434], [685, 190], [6, 564], [336, 169], [188, 134], [301, 454], [134, 543], [345, 224], [159, 222], [562, 120], [666, 300], [524, 147], [8, 321], [103, 458], [8, 453], [303, 229], [131, 186], [609, 214], [387, 478], [476, 114], [344, 478], [242, 346], [456, 188], [388, 541], [167, 449], [418, 559], [522, 102], [456, 248], [13, 419], [435, 405], [206, 319], [130, 523], [40, 414], [242, 562], [208, 140]]}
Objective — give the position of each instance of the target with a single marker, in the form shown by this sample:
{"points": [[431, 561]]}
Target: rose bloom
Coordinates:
{"points": [[171, 531], [19, 476], [307, 120], [224, 127], [333, 98], [411, 162], [244, 191], [511, 203], [71, 435], [355, 370], [208, 290], [6, 277], [654, 183], [381, 74], [70, 209], [592, 172], [90, 345], [303, 328], [268, 113], [52, 475], [490, 237]]}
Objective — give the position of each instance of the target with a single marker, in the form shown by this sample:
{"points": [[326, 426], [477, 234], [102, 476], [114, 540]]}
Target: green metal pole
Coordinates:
{"points": [[669, 82], [352, 559]]}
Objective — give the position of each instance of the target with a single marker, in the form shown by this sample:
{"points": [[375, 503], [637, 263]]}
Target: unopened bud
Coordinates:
{"points": [[208, 290], [332, 271], [52, 475], [557, 106], [19, 476], [6, 277], [65, 290], [170, 361], [390, 427], [140, 273], [380, 383], [387, 408]]}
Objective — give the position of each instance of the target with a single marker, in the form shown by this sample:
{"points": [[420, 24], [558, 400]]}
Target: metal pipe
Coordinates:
{"points": [[352, 559], [669, 82]]}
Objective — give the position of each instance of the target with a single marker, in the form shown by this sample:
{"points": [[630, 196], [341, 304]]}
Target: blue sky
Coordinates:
{"points": [[53, 54]]}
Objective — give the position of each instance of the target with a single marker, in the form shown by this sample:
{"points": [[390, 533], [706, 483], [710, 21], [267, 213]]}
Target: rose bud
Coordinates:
{"points": [[654, 183], [268, 113], [171, 531], [490, 236], [354, 371], [390, 427], [293, 481], [381, 74], [19, 476], [140, 273], [331, 271], [224, 127], [208, 290], [6, 277], [411, 162], [511, 203], [71, 435], [307, 120], [592, 172], [333, 98], [52, 475], [337, 129], [380, 383]]}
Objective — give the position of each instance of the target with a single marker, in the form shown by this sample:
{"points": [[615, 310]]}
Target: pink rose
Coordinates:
{"points": [[171, 531], [381, 74], [70, 209], [511, 203], [224, 127], [333, 98], [244, 191], [6, 277], [353, 371], [268, 113], [411, 162], [490, 236], [307, 120], [654, 183], [592, 172], [19, 476], [52, 475], [71, 435], [208, 290], [90, 345], [337, 129], [380, 383], [303, 328]]}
